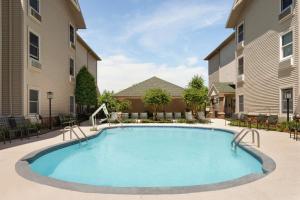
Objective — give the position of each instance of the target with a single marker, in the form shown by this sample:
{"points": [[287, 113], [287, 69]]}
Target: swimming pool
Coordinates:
{"points": [[149, 157]]}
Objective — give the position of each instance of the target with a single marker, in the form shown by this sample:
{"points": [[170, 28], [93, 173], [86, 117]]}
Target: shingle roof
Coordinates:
{"points": [[225, 87], [140, 89]]}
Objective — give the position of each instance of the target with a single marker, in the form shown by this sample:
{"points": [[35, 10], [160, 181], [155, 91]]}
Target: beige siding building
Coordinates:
{"points": [[40, 47], [266, 54], [222, 78]]}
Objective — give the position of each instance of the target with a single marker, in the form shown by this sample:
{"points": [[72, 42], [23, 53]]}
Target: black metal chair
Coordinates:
{"points": [[10, 129], [2, 132], [261, 120], [242, 119], [272, 121], [25, 126], [293, 128]]}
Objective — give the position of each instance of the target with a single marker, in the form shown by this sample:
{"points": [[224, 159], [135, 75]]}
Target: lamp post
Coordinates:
{"points": [[50, 97], [288, 96]]}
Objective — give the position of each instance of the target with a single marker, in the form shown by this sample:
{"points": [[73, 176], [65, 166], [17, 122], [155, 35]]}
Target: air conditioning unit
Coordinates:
{"points": [[36, 64], [240, 46], [35, 14], [241, 78], [287, 12], [72, 79]]}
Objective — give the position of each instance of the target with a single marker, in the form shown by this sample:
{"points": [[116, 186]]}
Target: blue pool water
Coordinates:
{"points": [[149, 157]]}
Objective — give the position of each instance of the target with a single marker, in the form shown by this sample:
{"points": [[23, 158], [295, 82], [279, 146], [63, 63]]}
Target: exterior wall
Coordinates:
{"points": [[213, 69], [263, 79], [84, 58], [227, 71], [55, 54], [137, 105], [1, 58], [12, 57]]}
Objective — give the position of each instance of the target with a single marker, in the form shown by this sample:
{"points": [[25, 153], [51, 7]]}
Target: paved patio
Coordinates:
{"points": [[283, 183]]}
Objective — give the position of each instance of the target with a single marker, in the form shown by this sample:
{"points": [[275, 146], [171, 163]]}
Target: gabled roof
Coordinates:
{"points": [[236, 11], [222, 87], [223, 44], [88, 48], [139, 90]]}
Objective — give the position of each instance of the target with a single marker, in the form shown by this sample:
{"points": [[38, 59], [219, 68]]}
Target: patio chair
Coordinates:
{"points": [[25, 126], [261, 120], [201, 115], [10, 128], [66, 120], [2, 133], [134, 115], [272, 121], [160, 116], [234, 118], [242, 119], [169, 116], [143, 115], [177, 115], [125, 116], [293, 128], [189, 117]]}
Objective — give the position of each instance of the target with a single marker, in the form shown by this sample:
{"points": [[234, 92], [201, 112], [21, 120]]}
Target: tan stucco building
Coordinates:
{"points": [[222, 78], [266, 55], [40, 51]]}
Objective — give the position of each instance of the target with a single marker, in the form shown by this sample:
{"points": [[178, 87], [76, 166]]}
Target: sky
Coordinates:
{"points": [[139, 39]]}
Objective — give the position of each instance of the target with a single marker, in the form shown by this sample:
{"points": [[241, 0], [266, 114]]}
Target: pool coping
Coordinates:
{"points": [[22, 167]]}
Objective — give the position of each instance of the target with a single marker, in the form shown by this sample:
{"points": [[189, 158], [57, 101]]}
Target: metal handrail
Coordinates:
{"points": [[93, 116], [237, 140], [71, 130]]}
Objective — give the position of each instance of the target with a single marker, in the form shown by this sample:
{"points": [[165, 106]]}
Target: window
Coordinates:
{"points": [[241, 103], [34, 46], [241, 66], [240, 33], [287, 45], [285, 4], [35, 4], [33, 101], [72, 35], [72, 104], [284, 92], [72, 67]]}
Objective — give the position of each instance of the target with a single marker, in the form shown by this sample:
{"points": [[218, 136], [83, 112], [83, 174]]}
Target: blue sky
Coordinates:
{"points": [[138, 39]]}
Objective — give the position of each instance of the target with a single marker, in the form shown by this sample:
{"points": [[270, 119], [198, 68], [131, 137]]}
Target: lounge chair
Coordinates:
{"points": [[143, 115], [160, 116], [272, 121], [134, 115], [169, 116], [66, 120], [201, 115], [177, 115], [125, 116], [189, 117], [113, 116]]}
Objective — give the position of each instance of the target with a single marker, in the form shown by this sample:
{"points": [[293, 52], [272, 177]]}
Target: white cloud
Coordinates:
{"points": [[119, 72], [170, 21], [192, 60]]}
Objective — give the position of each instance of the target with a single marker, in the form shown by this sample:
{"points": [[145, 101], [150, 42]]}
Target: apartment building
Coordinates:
{"points": [[267, 55], [40, 53], [222, 78]]}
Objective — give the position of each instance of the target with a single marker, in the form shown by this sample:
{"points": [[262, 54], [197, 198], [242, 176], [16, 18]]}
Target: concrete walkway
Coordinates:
{"points": [[283, 183]]}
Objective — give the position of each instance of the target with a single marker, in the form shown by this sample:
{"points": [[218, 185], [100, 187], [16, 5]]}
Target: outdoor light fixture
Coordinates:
{"points": [[50, 97], [288, 96]]}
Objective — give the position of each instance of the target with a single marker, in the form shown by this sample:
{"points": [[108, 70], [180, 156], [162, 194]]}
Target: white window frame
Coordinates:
{"points": [[74, 104], [74, 68], [239, 103], [238, 59], [280, 98], [39, 48], [237, 32], [38, 102], [72, 43], [39, 12], [280, 6], [281, 47]]}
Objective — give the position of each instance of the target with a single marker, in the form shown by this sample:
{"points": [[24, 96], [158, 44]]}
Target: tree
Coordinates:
{"points": [[107, 98], [196, 95], [156, 98], [86, 88], [124, 106]]}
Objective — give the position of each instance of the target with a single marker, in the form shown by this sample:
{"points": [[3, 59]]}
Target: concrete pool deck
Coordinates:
{"points": [[283, 183]]}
